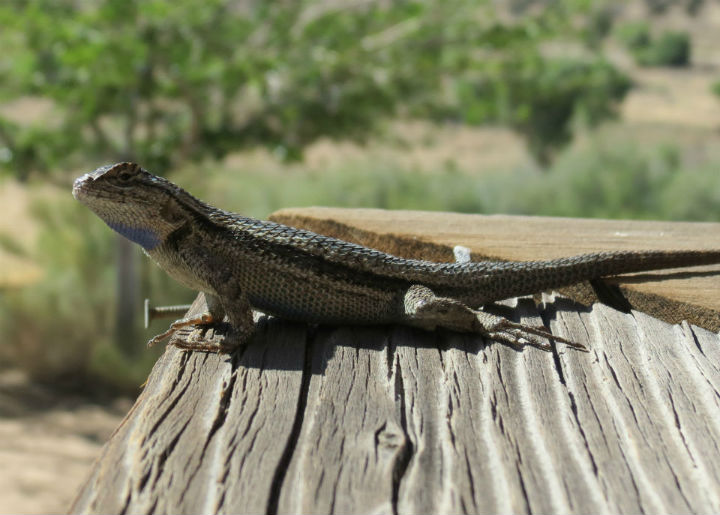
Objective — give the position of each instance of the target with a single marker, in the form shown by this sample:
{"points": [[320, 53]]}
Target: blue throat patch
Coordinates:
{"points": [[146, 238]]}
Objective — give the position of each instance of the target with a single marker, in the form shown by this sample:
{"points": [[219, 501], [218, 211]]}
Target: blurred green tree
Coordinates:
{"points": [[162, 81]]}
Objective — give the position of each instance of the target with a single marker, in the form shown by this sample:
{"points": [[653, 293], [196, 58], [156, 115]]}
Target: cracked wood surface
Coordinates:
{"points": [[397, 420]]}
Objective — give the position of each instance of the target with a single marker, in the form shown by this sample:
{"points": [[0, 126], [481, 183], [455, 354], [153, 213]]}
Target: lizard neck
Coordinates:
{"points": [[143, 236]]}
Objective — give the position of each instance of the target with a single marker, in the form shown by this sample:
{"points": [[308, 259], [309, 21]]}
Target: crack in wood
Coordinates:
{"points": [[183, 358], [404, 455], [284, 463], [686, 328], [545, 317], [578, 424], [221, 414], [168, 410], [390, 354], [168, 450], [525, 496]]}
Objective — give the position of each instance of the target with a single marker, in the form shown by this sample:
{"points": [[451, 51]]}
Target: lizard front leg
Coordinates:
{"points": [[426, 310], [240, 317], [234, 303], [214, 314]]}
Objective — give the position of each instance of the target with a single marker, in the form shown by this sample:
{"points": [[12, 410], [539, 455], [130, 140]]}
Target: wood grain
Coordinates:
{"points": [[399, 420]]}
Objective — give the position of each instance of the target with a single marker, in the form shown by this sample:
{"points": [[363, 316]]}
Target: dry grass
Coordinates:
{"points": [[427, 147], [15, 222], [677, 97], [19, 227], [415, 145]]}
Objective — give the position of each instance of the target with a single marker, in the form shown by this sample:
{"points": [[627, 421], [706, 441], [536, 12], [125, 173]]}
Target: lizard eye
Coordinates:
{"points": [[124, 177]]}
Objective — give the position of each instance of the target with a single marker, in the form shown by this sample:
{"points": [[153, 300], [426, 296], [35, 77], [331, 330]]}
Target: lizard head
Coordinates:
{"points": [[132, 201]]}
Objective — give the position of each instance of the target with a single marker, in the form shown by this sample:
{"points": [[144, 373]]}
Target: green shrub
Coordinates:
{"points": [[670, 49], [599, 23], [52, 327], [658, 7], [634, 35], [612, 179], [60, 329], [692, 7]]}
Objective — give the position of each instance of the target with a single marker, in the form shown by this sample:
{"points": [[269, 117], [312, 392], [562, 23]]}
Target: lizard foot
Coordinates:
{"points": [[426, 310], [216, 338], [203, 319], [506, 331]]}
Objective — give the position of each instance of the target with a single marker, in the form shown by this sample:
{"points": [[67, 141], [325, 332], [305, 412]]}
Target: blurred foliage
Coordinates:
{"points": [[692, 7], [540, 99], [599, 24], [658, 7], [52, 328], [668, 49], [59, 330], [635, 35], [164, 81], [611, 176]]}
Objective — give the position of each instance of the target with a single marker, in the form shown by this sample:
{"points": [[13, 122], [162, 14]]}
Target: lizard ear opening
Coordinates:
{"points": [[172, 213]]}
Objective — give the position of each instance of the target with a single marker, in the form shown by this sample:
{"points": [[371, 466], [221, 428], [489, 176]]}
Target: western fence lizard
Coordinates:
{"points": [[242, 263]]}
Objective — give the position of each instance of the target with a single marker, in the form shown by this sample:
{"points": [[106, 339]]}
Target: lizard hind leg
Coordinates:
{"points": [[426, 310]]}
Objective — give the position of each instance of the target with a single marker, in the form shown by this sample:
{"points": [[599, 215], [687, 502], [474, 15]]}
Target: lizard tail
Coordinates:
{"points": [[604, 264], [512, 279]]}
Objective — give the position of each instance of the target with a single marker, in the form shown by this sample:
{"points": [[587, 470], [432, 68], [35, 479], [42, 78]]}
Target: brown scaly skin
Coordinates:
{"points": [[242, 263]]}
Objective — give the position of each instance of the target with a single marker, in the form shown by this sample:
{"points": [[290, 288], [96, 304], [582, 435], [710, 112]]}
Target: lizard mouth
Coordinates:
{"points": [[82, 185], [79, 189], [85, 190]]}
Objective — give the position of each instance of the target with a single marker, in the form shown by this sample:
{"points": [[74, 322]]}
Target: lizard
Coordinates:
{"points": [[242, 263]]}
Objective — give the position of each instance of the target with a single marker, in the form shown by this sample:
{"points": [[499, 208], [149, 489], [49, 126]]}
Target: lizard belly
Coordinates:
{"points": [[300, 295], [178, 269]]}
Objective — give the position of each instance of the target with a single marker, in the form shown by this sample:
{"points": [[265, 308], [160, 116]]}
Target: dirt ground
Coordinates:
{"points": [[47, 444]]}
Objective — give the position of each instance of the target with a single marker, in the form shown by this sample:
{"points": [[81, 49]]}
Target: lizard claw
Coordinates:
{"points": [[202, 319], [515, 340], [506, 331], [527, 332], [220, 340]]}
